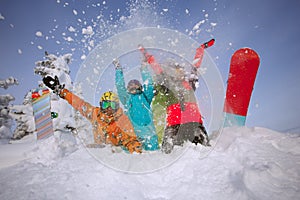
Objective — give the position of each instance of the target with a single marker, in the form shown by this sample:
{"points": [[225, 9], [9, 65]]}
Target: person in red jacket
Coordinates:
{"points": [[183, 117]]}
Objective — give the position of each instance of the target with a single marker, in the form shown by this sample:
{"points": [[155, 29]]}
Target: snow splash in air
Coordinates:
{"points": [[120, 39]]}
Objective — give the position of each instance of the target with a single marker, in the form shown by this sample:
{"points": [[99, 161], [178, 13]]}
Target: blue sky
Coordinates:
{"points": [[270, 27]]}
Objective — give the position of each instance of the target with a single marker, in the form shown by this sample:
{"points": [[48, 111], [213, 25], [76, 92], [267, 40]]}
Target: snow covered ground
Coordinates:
{"points": [[244, 163]]}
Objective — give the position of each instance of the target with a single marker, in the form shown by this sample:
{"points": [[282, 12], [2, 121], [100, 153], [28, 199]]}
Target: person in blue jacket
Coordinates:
{"points": [[137, 99]]}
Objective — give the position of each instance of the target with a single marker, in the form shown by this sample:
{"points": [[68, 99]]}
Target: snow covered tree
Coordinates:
{"points": [[8, 82], [23, 115], [58, 66], [6, 121]]}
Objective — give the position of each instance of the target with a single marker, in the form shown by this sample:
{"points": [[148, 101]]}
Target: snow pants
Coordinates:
{"points": [[177, 134], [147, 136]]}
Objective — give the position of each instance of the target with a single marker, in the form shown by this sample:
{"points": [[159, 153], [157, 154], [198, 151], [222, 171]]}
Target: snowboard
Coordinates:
{"points": [[42, 113], [244, 65]]}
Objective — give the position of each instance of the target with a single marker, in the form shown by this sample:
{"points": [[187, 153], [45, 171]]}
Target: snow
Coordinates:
{"points": [[213, 24], [69, 39], [83, 57], [75, 12], [243, 163], [197, 26], [71, 29], [39, 34], [6, 120], [23, 116], [13, 154], [88, 31], [1, 17]]}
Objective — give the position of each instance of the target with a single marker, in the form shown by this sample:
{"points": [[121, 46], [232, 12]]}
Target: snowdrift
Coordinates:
{"points": [[243, 163]]}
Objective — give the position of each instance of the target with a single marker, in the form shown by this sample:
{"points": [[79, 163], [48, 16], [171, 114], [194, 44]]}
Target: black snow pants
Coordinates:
{"points": [[178, 134]]}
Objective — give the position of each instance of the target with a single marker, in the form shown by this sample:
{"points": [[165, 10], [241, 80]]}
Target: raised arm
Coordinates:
{"points": [[120, 83], [76, 102], [198, 61], [151, 60], [148, 82], [200, 52]]}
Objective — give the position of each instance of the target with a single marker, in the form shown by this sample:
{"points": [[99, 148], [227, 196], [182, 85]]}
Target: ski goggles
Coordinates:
{"points": [[134, 87], [107, 104], [134, 90]]}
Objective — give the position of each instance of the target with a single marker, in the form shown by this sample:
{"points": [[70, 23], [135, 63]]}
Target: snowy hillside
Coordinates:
{"points": [[244, 163]]}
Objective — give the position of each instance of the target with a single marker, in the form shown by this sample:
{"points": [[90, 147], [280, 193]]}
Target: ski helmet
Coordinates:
{"points": [[109, 96], [134, 86], [109, 99]]}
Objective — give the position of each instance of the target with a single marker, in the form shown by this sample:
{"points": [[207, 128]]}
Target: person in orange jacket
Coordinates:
{"points": [[110, 124]]}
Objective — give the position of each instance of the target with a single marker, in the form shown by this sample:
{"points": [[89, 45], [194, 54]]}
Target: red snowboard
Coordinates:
{"points": [[243, 69]]}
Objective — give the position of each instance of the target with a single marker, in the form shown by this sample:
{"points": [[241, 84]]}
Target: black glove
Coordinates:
{"points": [[53, 84]]}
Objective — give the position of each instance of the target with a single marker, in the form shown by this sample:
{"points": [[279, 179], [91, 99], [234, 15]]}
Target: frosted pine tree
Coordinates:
{"points": [[68, 121], [6, 120], [8, 82], [58, 66], [23, 115]]}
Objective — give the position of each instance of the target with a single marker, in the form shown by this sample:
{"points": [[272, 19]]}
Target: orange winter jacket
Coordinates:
{"points": [[116, 130]]}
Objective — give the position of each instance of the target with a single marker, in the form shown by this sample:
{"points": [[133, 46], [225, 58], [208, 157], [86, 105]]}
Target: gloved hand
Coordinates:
{"points": [[208, 44], [53, 84], [117, 64], [144, 65]]}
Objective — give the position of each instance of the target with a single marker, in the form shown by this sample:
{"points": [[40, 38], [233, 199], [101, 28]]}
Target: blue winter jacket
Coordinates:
{"points": [[139, 108]]}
